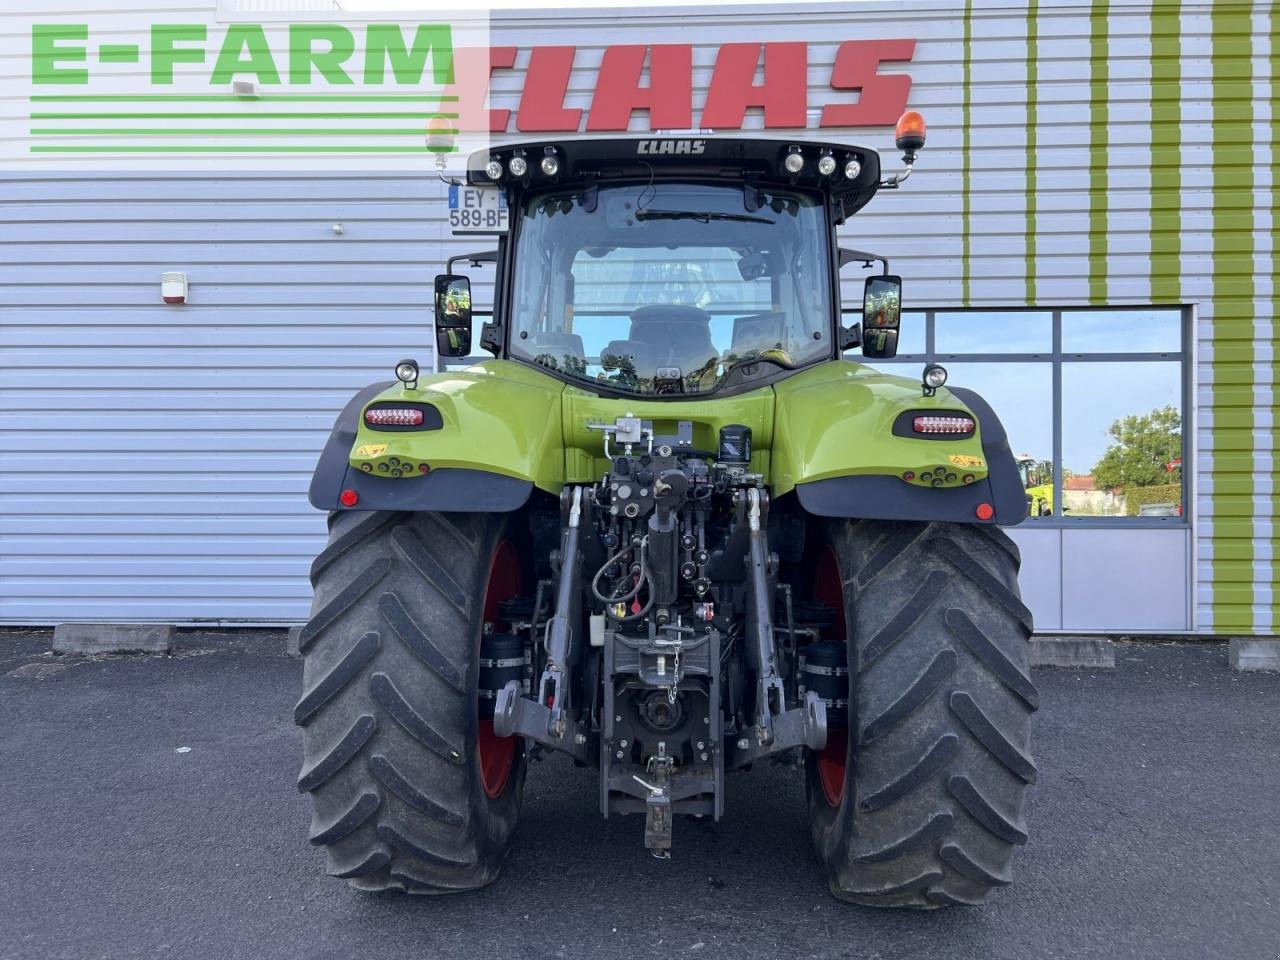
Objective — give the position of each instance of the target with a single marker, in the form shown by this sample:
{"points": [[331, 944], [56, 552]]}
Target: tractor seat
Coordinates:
{"points": [[674, 335]]}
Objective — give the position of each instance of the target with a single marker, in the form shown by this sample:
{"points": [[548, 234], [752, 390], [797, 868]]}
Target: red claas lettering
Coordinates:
{"points": [[863, 96]]}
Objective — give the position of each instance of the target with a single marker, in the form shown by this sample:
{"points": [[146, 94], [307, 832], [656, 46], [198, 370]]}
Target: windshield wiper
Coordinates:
{"points": [[702, 216]]}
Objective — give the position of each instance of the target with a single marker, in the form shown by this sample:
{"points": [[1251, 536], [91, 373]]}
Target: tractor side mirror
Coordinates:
{"points": [[881, 317], [453, 315]]}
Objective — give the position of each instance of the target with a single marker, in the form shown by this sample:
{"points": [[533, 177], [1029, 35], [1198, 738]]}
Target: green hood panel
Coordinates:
{"points": [[836, 419]]}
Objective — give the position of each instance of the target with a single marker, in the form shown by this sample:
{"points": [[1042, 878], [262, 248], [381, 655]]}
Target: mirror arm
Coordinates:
{"points": [[474, 259], [851, 337], [849, 256]]}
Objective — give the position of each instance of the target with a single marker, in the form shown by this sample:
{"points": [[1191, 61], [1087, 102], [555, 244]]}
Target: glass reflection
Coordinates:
{"points": [[999, 331], [911, 335], [1021, 394], [1122, 439], [1121, 331]]}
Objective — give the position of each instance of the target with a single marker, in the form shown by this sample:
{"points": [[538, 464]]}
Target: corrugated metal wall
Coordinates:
{"points": [[156, 458], [1079, 154]]}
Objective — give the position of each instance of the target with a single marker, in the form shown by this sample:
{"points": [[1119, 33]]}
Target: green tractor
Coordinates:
{"points": [[670, 531], [1037, 481]]}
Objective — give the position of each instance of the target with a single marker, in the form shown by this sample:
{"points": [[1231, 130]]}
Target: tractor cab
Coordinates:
{"points": [[676, 267]]}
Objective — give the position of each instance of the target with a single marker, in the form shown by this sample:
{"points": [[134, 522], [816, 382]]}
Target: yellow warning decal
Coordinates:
{"points": [[965, 460], [371, 450]]}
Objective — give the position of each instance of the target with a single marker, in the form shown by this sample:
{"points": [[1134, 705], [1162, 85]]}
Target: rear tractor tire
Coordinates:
{"points": [[918, 803], [410, 788]]}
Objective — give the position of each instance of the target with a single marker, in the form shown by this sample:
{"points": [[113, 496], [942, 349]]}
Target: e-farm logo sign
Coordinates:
{"points": [[342, 91]]}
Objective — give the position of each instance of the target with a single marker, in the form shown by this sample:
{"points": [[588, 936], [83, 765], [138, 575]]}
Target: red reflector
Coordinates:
{"points": [[349, 498], [423, 468], [909, 475], [943, 425], [985, 511], [393, 417]]}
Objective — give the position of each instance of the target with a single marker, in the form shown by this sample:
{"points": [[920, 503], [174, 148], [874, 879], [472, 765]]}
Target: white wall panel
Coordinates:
{"points": [[1118, 580]]}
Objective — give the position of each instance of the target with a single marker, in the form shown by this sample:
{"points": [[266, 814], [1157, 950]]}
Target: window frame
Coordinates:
{"points": [[1055, 358]]}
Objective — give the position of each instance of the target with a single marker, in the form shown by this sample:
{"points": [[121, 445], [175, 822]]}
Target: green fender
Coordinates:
{"points": [[492, 432], [843, 443]]}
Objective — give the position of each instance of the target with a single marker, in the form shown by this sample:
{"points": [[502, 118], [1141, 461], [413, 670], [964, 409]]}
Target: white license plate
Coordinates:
{"points": [[474, 210]]}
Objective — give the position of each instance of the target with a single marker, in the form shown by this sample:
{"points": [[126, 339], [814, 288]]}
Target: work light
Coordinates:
{"points": [[493, 170], [934, 377], [852, 169], [550, 165], [407, 372], [826, 164], [794, 162], [517, 166]]}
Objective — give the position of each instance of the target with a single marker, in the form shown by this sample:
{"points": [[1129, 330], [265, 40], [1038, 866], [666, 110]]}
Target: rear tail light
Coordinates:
{"points": [[393, 417], [942, 425]]}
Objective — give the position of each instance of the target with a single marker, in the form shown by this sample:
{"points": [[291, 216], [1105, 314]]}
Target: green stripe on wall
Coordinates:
{"points": [[1275, 294], [1033, 103], [1233, 290], [1166, 153], [1099, 103], [966, 186]]}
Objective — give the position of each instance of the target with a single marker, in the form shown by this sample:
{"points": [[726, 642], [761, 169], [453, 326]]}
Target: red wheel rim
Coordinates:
{"points": [[828, 588], [497, 754]]}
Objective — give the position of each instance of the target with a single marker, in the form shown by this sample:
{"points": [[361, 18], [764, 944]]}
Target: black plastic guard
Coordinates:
{"points": [[460, 490], [890, 498]]}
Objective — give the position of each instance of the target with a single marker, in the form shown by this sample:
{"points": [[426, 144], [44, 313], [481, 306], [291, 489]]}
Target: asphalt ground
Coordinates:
{"points": [[148, 809]]}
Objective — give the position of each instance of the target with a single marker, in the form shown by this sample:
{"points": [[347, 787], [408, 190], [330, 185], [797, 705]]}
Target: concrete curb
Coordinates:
{"points": [[1089, 653], [113, 637], [1250, 653]]}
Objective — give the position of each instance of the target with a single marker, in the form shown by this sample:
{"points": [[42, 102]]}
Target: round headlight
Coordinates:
{"points": [[517, 166], [794, 162], [827, 165], [852, 169], [550, 165], [934, 376], [493, 170], [407, 371]]}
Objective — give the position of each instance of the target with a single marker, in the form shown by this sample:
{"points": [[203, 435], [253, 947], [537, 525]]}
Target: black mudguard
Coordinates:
{"points": [[446, 489], [889, 498]]}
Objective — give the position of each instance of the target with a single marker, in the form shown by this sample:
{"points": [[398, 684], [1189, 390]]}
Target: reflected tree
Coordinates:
{"points": [[1142, 448]]}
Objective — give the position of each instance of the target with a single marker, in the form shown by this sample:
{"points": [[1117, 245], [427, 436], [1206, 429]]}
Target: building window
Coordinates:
{"points": [[1093, 402]]}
